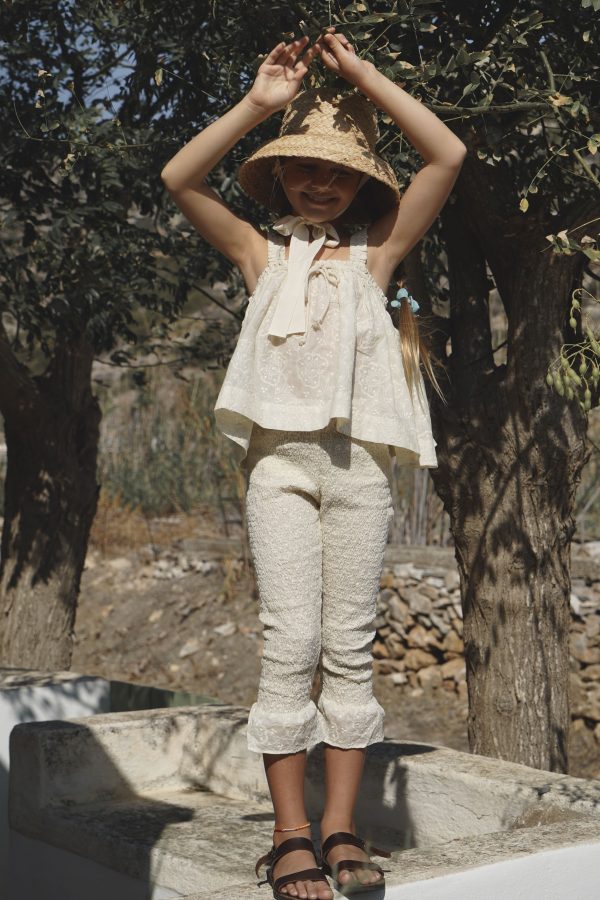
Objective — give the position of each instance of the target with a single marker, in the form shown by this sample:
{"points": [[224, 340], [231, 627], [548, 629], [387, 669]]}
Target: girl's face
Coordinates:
{"points": [[316, 189]]}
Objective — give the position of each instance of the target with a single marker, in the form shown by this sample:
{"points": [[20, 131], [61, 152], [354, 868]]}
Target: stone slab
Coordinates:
{"points": [[418, 791], [184, 840], [567, 872], [175, 796]]}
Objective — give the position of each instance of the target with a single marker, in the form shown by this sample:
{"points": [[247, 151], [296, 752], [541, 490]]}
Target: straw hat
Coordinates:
{"points": [[325, 124]]}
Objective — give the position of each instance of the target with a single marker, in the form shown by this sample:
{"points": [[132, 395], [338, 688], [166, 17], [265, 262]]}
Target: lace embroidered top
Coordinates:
{"points": [[347, 366]]}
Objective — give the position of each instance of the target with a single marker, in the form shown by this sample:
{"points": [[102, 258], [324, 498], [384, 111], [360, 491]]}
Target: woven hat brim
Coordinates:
{"points": [[257, 180]]}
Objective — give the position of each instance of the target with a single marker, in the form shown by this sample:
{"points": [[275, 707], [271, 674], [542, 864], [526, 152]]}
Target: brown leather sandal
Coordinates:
{"points": [[275, 853], [352, 887]]}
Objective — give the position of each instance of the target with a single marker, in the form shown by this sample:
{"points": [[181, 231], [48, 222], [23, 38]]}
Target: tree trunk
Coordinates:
{"points": [[510, 456], [511, 496], [50, 501]]}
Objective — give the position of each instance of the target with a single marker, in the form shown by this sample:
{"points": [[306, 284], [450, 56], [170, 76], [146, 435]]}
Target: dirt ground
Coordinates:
{"points": [[146, 617]]}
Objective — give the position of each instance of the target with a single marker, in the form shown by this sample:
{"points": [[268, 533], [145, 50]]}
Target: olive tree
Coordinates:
{"points": [[516, 83], [83, 275]]}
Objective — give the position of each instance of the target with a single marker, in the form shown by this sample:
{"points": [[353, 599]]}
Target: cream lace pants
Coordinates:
{"points": [[319, 507]]}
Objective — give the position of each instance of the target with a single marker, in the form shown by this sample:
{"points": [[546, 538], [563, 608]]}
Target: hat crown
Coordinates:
{"points": [[324, 111], [341, 128]]}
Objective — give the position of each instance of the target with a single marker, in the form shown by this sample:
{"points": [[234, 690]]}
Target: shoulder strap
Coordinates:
{"points": [[276, 245], [358, 245]]}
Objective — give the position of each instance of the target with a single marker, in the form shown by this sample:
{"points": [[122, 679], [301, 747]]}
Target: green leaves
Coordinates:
{"points": [[576, 372], [566, 244], [122, 86]]}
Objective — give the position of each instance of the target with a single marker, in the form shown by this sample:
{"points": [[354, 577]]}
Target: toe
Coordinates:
{"points": [[324, 892], [364, 876], [372, 876]]}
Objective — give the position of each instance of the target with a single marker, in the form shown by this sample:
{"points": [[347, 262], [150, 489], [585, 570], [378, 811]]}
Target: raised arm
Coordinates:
{"points": [[399, 230], [277, 82]]}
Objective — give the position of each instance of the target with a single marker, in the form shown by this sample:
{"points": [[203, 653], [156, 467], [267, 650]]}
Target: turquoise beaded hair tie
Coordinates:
{"points": [[404, 293]]}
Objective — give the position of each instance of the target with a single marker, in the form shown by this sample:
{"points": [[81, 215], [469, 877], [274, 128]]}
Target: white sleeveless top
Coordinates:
{"points": [[347, 366]]}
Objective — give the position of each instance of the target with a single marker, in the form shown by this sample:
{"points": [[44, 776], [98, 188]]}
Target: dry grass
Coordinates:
{"points": [[119, 528]]}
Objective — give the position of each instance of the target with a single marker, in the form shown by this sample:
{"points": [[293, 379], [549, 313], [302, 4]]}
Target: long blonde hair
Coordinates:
{"points": [[413, 344]]}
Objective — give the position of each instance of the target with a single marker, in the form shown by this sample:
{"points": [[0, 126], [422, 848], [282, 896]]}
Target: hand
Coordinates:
{"points": [[339, 55], [280, 75]]}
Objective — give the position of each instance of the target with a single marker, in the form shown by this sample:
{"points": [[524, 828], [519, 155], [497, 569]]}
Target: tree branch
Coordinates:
{"points": [[549, 72], [443, 109]]}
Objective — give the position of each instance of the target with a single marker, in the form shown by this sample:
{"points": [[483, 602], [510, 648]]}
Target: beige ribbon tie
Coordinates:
{"points": [[290, 310]]}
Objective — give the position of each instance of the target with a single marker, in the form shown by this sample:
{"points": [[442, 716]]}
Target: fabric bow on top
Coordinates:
{"points": [[290, 311]]}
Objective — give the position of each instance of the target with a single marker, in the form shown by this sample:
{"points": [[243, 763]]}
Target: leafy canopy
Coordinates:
{"points": [[97, 96]]}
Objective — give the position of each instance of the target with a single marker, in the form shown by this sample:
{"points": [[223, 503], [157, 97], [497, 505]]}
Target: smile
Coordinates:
{"points": [[319, 201]]}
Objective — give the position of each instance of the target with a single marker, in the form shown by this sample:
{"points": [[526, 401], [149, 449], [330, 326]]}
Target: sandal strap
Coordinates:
{"points": [[340, 837], [304, 875], [352, 864], [275, 853], [264, 859], [377, 851], [295, 843]]}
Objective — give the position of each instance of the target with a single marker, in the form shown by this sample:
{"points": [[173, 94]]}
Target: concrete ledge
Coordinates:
{"points": [[174, 799], [33, 696], [421, 792], [571, 873], [181, 842]]}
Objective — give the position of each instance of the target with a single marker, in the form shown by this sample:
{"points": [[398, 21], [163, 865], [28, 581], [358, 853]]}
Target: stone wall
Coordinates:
{"points": [[419, 628], [419, 639]]}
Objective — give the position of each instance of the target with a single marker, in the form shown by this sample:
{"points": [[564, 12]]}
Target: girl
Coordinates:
{"points": [[316, 400]]}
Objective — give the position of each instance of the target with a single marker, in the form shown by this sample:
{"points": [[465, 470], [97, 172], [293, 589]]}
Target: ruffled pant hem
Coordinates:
{"points": [[350, 727], [337, 724], [276, 731]]}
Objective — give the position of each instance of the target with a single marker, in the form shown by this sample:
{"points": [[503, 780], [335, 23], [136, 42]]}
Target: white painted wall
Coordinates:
{"points": [[569, 873], [67, 698], [60, 875]]}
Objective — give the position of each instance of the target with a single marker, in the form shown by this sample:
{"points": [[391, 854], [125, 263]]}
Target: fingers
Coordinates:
{"points": [[329, 45], [344, 40], [303, 64], [330, 51], [333, 42], [310, 54], [284, 54], [274, 54], [292, 50]]}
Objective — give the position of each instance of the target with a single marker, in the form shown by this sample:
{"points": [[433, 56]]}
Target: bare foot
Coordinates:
{"points": [[296, 861], [349, 851]]}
